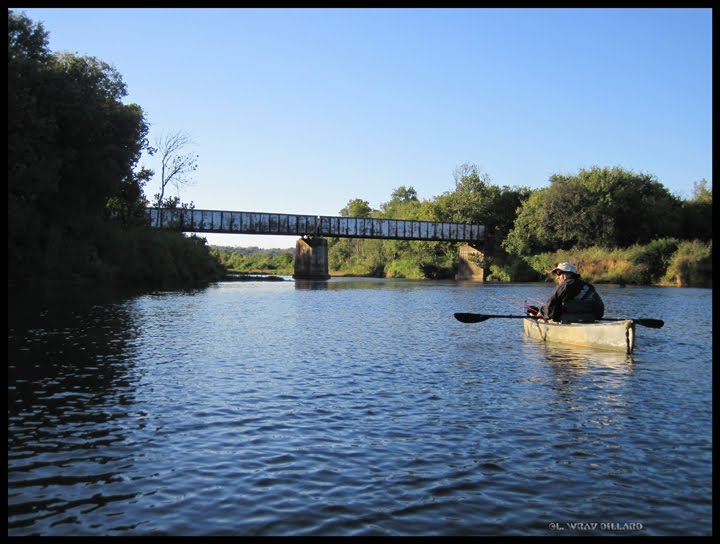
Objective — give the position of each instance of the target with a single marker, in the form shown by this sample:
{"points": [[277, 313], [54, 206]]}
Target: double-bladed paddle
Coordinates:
{"points": [[477, 318]]}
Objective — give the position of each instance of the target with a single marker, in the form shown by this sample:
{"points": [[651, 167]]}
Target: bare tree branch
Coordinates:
{"points": [[176, 168]]}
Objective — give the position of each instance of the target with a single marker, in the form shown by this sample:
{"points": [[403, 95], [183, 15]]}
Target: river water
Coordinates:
{"points": [[355, 407]]}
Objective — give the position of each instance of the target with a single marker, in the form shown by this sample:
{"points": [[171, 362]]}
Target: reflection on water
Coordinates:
{"points": [[583, 358], [576, 373], [355, 283], [359, 408], [71, 385], [311, 285]]}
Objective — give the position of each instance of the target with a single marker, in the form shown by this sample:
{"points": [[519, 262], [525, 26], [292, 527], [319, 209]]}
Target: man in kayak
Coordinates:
{"points": [[573, 300]]}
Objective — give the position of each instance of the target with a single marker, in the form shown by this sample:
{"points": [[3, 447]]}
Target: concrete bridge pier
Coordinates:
{"points": [[311, 259], [471, 264]]}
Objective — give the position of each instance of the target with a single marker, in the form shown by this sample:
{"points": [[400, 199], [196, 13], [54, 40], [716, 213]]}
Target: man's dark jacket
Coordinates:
{"points": [[574, 300]]}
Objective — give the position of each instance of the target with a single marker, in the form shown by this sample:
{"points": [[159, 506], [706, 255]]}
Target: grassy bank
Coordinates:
{"points": [[665, 262]]}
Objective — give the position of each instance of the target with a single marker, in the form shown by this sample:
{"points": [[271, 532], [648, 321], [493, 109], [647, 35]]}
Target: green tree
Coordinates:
{"points": [[129, 204], [73, 147], [701, 192], [477, 200], [533, 230], [697, 213], [33, 163], [404, 194], [100, 138], [609, 207], [357, 208], [72, 143], [33, 167], [403, 204]]}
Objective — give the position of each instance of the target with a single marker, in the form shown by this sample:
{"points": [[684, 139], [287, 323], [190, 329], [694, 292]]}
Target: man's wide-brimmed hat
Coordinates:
{"points": [[565, 267]]}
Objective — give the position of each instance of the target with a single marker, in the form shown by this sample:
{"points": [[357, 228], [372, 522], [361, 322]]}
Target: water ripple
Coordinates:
{"points": [[359, 410]]}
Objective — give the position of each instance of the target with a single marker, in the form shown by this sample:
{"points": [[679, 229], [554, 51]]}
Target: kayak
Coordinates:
{"points": [[615, 335]]}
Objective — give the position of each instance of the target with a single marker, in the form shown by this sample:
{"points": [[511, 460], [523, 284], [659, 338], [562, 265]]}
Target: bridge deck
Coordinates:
{"points": [[229, 222]]}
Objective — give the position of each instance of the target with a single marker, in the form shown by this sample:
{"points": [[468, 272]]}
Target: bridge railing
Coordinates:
{"points": [[399, 229], [217, 221]]}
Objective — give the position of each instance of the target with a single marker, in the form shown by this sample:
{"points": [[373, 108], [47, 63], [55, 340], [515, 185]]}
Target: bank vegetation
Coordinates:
{"points": [[618, 226]]}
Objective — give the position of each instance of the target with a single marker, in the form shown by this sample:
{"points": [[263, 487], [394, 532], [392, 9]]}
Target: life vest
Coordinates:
{"points": [[585, 307]]}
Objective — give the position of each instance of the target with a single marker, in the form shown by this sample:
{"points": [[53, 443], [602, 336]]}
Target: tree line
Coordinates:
{"points": [[255, 260], [619, 226], [75, 191], [613, 214]]}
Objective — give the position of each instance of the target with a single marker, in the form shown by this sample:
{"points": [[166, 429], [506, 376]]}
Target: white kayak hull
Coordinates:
{"points": [[614, 335]]}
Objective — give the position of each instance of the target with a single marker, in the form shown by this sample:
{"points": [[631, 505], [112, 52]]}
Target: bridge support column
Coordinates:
{"points": [[471, 264], [311, 259]]}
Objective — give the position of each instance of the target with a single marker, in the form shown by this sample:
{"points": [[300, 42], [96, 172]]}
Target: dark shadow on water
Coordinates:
{"points": [[311, 285], [254, 277]]}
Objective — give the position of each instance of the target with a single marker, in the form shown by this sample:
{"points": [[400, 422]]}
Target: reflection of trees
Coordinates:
{"points": [[590, 408], [578, 371], [357, 283], [70, 384], [311, 285], [67, 366]]}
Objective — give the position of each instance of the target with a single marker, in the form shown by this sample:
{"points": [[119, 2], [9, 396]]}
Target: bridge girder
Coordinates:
{"points": [[218, 221]]}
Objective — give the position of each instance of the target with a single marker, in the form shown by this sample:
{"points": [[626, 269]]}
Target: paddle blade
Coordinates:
{"points": [[652, 323], [470, 318]]}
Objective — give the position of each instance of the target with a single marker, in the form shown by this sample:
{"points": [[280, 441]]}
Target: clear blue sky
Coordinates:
{"points": [[302, 110]]}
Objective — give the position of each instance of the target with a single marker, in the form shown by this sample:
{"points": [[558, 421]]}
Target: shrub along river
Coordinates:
{"points": [[355, 407]]}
